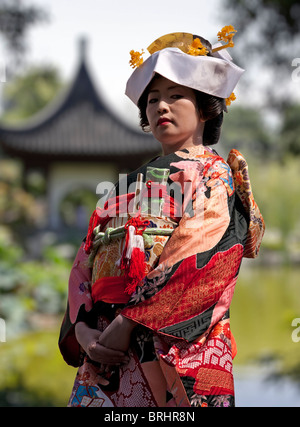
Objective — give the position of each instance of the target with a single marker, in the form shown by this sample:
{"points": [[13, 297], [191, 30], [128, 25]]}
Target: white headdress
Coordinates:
{"points": [[181, 58]]}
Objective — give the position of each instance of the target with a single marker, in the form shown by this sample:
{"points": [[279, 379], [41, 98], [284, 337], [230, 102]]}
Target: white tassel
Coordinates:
{"points": [[134, 241]]}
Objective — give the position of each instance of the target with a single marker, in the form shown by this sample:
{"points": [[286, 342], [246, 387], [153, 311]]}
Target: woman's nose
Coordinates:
{"points": [[162, 107]]}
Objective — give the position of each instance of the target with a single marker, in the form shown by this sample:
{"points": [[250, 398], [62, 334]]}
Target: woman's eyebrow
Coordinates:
{"points": [[174, 87], [169, 88]]}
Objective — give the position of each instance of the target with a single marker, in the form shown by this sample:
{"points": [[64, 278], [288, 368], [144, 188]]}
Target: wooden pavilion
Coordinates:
{"points": [[77, 142]]}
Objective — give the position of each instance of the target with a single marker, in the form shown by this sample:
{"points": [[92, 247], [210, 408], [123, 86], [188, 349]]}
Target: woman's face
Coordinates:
{"points": [[173, 115]]}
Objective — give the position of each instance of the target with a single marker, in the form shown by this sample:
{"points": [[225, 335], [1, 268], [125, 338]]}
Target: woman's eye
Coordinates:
{"points": [[176, 96], [152, 100]]}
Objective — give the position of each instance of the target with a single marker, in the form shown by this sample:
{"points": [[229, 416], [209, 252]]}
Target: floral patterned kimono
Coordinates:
{"points": [[182, 348]]}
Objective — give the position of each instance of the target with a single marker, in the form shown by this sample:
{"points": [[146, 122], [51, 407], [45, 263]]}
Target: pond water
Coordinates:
{"points": [[264, 305], [266, 301], [253, 389]]}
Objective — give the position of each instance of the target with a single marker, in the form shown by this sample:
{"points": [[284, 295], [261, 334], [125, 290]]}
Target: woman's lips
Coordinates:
{"points": [[163, 121]]}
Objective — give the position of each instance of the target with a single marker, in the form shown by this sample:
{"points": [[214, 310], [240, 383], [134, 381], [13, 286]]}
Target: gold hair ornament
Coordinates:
{"points": [[136, 58], [230, 99], [226, 35], [186, 42], [197, 48]]}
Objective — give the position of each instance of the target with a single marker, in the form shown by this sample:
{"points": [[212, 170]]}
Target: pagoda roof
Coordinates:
{"points": [[77, 125]]}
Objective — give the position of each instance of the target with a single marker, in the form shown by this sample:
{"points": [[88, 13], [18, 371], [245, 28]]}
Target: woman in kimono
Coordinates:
{"points": [[147, 322]]}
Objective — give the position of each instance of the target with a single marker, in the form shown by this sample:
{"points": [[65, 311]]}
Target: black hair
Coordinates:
{"points": [[210, 107]]}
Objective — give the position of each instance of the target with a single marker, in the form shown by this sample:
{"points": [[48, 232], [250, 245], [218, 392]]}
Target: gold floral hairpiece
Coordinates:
{"points": [[186, 42], [136, 58], [226, 35], [197, 48], [229, 100]]}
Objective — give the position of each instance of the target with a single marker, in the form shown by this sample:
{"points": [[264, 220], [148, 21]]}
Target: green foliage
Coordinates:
{"points": [[17, 206], [268, 39], [273, 24], [81, 202], [263, 307], [30, 287], [30, 92], [290, 132], [244, 129], [33, 373], [277, 192]]}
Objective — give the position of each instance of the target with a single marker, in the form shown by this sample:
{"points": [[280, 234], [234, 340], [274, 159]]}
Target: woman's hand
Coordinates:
{"points": [[89, 339], [117, 335]]}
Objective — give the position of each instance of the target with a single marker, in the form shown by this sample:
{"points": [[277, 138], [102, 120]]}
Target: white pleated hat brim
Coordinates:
{"points": [[216, 75]]}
